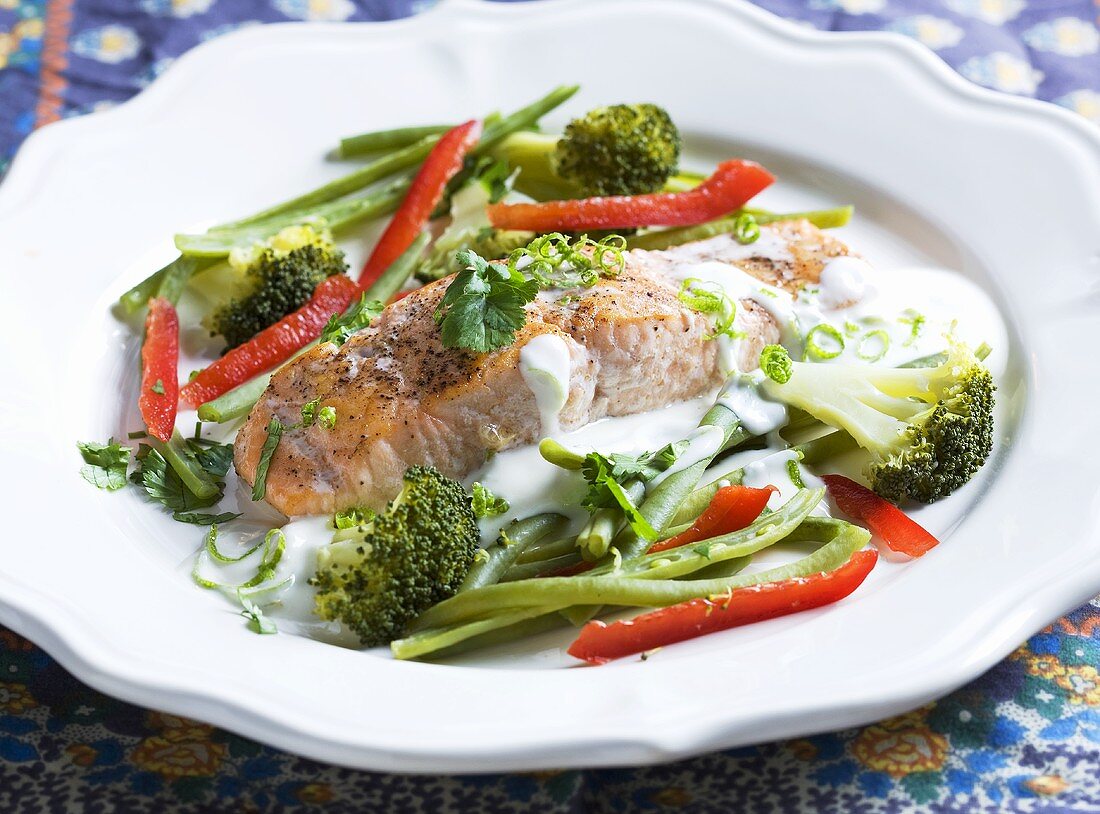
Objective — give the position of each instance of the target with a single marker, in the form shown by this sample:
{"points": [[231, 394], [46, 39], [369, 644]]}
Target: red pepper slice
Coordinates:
{"points": [[274, 344], [599, 642], [731, 509], [899, 531], [441, 165], [160, 353], [729, 188]]}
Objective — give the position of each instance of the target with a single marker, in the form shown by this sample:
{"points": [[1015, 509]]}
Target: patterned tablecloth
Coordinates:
{"points": [[1023, 737]]}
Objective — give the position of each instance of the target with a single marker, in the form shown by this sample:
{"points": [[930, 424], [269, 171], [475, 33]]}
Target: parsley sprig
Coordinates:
{"points": [[483, 306], [104, 464]]}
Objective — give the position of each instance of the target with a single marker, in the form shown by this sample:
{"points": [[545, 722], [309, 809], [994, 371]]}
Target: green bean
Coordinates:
{"points": [[542, 551], [526, 627], [726, 568], [336, 215], [501, 555], [541, 568], [383, 140], [560, 455], [625, 585], [167, 282], [841, 540], [236, 403], [666, 238]]}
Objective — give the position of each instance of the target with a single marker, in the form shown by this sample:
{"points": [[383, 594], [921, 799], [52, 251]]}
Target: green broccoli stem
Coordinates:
{"points": [[381, 141], [513, 539], [197, 480], [841, 540], [666, 238], [238, 401], [533, 154]]}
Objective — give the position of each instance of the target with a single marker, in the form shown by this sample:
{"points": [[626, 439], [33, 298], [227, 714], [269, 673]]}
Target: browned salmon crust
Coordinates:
{"points": [[402, 398]]}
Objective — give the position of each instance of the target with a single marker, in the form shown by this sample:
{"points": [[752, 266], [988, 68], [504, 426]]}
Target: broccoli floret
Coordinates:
{"points": [[269, 280], [615, 150], [928, 429], [377, 577]]}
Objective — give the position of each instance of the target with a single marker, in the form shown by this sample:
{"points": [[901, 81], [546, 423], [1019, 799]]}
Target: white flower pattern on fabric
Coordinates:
{"points": [[849, 6], [996, 12], [934, 32], [333, 11], [1083, 101], [180, 9], [1068, 36], [109, 43], [1004, 72]]}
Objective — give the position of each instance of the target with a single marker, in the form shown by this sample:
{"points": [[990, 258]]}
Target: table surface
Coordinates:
{"points": [[1025, 736]]}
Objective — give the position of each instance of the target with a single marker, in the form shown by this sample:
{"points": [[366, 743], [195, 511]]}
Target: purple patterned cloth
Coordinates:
{"points": [[1023, 737]]}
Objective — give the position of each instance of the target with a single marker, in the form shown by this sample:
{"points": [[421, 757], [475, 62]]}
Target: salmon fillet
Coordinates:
{"points": [[401, 398]]}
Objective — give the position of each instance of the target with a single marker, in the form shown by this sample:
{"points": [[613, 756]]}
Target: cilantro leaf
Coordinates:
{"points": [[487, 504], [214, 458], [599, 468], [104, 464], [483, 306], [359, 315]]}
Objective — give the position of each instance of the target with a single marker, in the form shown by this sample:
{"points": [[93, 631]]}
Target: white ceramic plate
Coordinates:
{"points": [[1006, 191]]}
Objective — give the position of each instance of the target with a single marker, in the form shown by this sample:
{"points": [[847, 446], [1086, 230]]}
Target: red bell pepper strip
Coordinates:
{"points": [[274, 344], [731, 509], [441, 165], [160, 353], [599, 642], [729, 188], [900, 532]]}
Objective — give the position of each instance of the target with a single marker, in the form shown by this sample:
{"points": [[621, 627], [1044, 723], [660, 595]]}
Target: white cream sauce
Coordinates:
{"points": [[702, 443], [758, 414], [544, 364]]}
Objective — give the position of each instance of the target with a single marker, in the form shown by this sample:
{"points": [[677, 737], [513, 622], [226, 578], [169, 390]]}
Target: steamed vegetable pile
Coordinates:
{"points": [[500, 210]]}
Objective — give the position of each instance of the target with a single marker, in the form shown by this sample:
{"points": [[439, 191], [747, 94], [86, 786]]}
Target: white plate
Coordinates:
{"points": [[1004, 190]]}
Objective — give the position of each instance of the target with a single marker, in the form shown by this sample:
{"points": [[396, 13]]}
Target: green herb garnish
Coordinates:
{"points": [[776, 363], [104, 464], [484, 305], [341, 327], [271, 443]]}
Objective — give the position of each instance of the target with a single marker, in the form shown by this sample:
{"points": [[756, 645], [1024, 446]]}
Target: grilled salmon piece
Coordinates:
{"points": [[401, 398]]}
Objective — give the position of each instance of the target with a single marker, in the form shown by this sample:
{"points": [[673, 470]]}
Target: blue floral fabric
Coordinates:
{"points": [[1023, 737]]}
